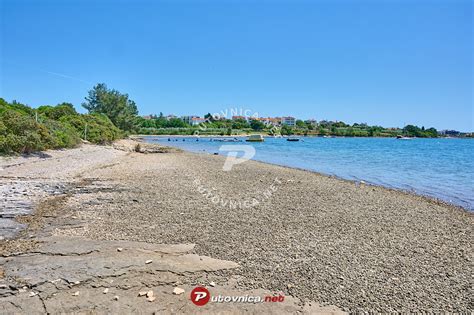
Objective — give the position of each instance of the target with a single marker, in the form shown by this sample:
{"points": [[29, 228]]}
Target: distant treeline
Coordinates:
{"points": [[112, 115], [159, 125]]}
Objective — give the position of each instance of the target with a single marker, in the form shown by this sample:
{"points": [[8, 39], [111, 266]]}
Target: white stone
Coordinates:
{"points": [[178, 291]]}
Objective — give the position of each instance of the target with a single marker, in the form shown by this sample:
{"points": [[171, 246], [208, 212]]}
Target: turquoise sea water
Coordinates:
{"points": [[441, 168]]}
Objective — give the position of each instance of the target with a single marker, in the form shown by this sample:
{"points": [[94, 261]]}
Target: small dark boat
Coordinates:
{"points": [[293, 139], [404, 138]]}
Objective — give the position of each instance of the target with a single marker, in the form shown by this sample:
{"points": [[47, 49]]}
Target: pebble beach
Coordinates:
{"points": [[338, 243]]}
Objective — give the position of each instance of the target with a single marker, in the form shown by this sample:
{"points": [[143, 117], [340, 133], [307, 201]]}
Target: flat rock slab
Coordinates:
{"points": [[78, 260], [66, 274], [94, 301], [9, 228], [71, 275], [70, 246]]}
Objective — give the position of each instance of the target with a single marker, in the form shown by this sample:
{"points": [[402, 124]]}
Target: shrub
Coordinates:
{"points": [[57, 111], [63, 135], [21, 133], [99, 129]]}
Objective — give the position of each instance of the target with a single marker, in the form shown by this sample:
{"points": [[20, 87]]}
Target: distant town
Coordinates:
{"points": [[268, 121], [285, 125]]}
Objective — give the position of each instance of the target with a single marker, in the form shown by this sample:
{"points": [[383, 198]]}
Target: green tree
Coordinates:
{"points": [[286, 130], [209, 117], [415, 131], [300, 123], [240, 124], [117, 106], [176, 123], [57, 111], [340, 124], [431, 132], [257, 125]]}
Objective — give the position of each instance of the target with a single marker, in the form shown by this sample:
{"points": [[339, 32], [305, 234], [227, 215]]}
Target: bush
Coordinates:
{"points": [[21, 133], [63, 135], [25, 130], [57, 111], [99, 129]]}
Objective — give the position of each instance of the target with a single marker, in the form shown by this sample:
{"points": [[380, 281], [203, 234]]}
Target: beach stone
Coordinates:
{"points": [[178, 291]]}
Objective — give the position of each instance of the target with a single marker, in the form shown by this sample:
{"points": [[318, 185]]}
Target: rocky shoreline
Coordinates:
{"points": [[320, 240]]}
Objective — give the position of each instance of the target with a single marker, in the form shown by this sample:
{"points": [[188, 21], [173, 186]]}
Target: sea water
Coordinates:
{"points": [[441, 168]]}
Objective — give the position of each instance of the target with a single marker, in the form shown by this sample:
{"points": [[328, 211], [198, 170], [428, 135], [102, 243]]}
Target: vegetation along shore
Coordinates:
{"points": [[112, 115]]}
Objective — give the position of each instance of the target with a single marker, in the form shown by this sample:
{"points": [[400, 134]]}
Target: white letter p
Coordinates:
{"points": [[232, 159]]}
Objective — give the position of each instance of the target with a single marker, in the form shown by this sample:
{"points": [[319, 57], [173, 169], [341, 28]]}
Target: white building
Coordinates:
{"points": [[193, 120], [197, 120], [288, 121], [188, 119]]}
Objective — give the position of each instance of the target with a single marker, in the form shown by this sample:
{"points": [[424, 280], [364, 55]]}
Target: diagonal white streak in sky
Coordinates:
{"points": [[61, 75], [65, 76]]}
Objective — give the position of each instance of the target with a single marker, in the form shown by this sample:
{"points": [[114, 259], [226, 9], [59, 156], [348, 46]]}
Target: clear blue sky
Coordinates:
{"points": [[380, 62]]}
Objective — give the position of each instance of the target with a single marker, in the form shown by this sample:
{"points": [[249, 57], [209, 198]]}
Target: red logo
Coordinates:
{"points": [[200, 296]]}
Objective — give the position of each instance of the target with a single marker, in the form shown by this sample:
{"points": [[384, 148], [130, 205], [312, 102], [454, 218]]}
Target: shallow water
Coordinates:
{"points": [[441, 168]]}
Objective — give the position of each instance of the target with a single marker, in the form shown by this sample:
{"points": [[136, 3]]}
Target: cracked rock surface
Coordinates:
{"points": [[65, 274], [76, 259]]}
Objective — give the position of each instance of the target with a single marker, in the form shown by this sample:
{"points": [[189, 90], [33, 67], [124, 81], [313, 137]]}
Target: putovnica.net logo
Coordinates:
{"points": [[233, 151], [200, 296]]}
